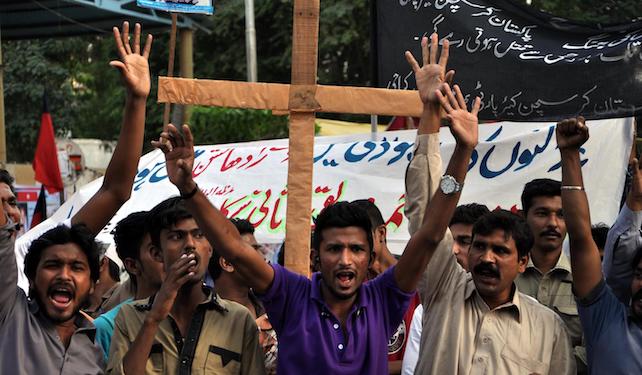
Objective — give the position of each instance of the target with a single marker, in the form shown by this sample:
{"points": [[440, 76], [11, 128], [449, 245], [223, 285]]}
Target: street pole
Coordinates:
{"points": [[250, 41]]}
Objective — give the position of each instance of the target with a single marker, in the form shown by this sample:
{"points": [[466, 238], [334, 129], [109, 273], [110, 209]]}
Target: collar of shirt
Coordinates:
{"points": [[83, 325], [513, 305], [211, 302], [563, 266], [359, 305]]}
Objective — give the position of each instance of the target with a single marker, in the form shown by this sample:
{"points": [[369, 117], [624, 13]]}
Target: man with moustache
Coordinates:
{"points": [[548, 276], [613, 330], [185, 327], [475, 322]]}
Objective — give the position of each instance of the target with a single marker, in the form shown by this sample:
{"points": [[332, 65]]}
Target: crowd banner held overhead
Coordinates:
{"points": [[524, 64], [179, 6], [248, 180]]}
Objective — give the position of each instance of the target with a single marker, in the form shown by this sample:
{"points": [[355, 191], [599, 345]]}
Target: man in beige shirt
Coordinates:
{"points": [[476, 322], [548, 277]]}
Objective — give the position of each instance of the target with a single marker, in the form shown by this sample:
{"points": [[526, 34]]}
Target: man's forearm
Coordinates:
{"points": [[436, 219], [120, 173], [430, 120], [8, 269], [585, 258], [225, 238]]}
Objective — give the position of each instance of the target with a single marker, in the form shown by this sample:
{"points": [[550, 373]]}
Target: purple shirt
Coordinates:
{"points": [[311, 340]]}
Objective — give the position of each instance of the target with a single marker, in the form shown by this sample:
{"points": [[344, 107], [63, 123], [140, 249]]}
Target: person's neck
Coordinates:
{"points": [[228, 289], [500, 299], [340, 308], [144, 290], [100, 289], [187, 299], [545, 260], [65, 330], [387, 259]]}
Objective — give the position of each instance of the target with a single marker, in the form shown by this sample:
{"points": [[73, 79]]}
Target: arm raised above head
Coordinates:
{"points": [[585, 257], [119, 176], [219, 231], [424, 242]]}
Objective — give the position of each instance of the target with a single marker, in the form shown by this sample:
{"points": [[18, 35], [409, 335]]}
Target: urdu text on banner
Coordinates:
{"points": [[524, 64], [248, 180]]}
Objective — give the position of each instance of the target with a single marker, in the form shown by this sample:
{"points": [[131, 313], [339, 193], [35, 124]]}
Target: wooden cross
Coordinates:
{"points": [[301, 99]]}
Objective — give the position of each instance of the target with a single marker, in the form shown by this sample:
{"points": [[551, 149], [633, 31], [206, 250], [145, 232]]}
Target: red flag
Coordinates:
{"points": [[45, 162], [40, 212]]}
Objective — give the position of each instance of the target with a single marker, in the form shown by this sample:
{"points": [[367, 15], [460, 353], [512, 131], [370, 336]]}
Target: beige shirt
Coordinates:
{"points": [[554, 289], [461, 335], [222, 339]]}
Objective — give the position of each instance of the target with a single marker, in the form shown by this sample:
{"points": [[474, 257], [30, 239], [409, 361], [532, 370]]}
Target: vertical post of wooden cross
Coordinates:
{"points": [[302, 105]]}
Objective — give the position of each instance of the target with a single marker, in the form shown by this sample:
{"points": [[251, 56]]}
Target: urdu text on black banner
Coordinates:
{"points": [[524, 64]]}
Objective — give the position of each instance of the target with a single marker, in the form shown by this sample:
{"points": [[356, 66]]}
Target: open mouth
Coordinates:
{"points": [[345, 278], [61, 296], [487, 275]]}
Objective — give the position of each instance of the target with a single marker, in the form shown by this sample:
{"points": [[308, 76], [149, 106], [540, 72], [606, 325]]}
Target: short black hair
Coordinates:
{"points": [[512, 225], [129, 233], [8, 179], [540, 187], [468, 214], [243, 226], [376, 219], [77, 234], [114, 270], [342, 215], [164, 215], [599, 232]]}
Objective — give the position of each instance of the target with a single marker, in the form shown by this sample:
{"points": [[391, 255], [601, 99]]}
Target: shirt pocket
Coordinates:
{"points": [[222, 361], [155, 362], [519, 363]]}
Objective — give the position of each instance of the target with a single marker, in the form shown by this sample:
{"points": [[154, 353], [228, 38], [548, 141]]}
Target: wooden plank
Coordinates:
{"points": [[305, 42], [274, 96]]}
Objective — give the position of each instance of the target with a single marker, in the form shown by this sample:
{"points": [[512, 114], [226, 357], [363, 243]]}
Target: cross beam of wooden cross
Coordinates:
{"points": [[301, 99]]}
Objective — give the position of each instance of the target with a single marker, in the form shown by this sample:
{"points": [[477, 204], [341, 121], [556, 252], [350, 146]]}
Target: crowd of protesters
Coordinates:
{"points": [[474, 292]]}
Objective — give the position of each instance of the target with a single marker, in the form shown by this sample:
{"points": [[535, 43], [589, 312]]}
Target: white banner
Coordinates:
{"points": [[181, 6], [249, 180]]}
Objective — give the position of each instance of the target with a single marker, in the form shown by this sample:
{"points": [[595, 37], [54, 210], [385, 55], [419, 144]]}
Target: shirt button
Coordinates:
{"points": [[340, 346], [480, 359], [335, 326], [486, 340]]}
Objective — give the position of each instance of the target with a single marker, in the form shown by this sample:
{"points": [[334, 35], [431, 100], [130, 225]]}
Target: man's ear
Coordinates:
{"points": [[381, 231], [225, 265], [157, 253], [131, 266], [104, 263], [522, 263]]}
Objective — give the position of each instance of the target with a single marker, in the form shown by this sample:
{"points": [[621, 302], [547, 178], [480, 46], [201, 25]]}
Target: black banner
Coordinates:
{"points": [[524, 64]]}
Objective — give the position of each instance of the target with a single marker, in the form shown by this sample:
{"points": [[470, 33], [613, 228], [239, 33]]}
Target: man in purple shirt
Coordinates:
{"points": [[334, 323]]}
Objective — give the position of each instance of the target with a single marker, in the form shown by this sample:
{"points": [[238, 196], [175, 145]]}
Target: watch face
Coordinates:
{"points": [[448, 185]]}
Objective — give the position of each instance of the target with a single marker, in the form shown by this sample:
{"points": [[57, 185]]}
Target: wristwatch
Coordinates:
{"points": [[449, 185]]}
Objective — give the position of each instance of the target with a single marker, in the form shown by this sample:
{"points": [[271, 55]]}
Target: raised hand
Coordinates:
{"points": [[432, 74], [178, 274], [571, 133], [463, 124], [179, 156], [133, 65]]}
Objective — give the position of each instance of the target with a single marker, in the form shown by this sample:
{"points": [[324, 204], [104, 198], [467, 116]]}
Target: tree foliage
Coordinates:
{"points": [[86, 98], [592, 11]]}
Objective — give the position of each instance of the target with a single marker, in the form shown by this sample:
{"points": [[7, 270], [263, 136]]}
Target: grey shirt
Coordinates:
{"points": [[622, 243], [28, 339]]}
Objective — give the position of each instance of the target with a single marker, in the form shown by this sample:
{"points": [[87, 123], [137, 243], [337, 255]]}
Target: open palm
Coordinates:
{"points": [[432, 74], [133, 63]]}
